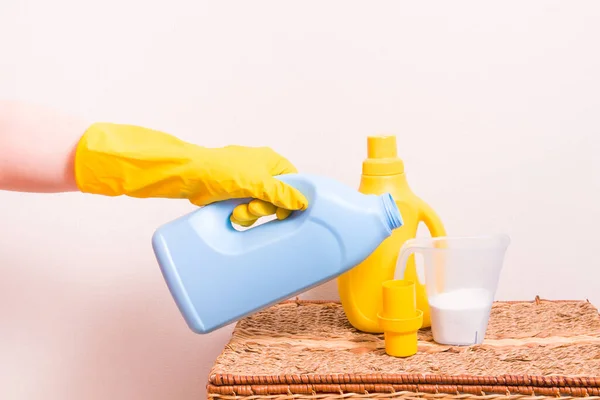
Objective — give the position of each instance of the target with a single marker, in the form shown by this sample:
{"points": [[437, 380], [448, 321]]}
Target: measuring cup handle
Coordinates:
{"points": [[409, 248]]}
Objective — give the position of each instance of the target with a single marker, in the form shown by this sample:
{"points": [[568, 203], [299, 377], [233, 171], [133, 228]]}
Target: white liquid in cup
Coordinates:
{"points": [[460, 317]]}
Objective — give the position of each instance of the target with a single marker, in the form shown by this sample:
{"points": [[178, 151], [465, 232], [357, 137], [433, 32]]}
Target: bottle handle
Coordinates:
{"points": [[431, 220], [221, 211]]}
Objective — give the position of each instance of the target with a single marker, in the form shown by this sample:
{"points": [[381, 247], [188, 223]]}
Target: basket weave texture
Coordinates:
{"points": [[308, 350]]}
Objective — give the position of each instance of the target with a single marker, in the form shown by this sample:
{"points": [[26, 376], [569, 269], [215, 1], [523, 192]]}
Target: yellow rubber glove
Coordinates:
{"points": [[114, 160]]}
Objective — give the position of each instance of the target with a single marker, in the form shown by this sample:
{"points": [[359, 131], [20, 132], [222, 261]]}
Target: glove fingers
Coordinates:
{"points": [[242, 217], [282, 195], [242, 213], [257, 209], [245, 224], [282, 213], [260, 208]]}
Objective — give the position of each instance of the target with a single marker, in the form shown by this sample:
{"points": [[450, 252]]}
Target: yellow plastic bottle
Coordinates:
{"points": [[360, 288]]}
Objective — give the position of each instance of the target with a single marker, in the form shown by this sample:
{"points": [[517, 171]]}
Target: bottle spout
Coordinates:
{"points": [[393, 218], [382, 156], [381, 147]]}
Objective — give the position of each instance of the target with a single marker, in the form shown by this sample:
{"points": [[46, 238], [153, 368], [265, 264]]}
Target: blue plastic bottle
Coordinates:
{"points": [[218, 275]]}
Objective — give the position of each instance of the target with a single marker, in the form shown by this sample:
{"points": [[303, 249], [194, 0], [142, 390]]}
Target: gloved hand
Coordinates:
{"points": [[114, 160]]}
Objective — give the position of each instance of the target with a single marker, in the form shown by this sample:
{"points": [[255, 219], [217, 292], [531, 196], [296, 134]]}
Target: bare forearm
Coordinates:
{"points": [[37, 147]]}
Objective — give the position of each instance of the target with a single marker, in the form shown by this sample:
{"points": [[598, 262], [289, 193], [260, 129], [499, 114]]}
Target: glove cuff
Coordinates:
{"points": [[114, 160]]}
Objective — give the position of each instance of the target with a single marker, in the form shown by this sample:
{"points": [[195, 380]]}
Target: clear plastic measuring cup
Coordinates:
{"points": [[461, 278]]}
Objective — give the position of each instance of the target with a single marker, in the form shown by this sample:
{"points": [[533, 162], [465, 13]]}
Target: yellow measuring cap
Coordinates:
{"points": [[400, 320]]}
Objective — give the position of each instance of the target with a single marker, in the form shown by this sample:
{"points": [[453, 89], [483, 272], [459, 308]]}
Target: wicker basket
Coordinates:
{"points": [[308, 350]]}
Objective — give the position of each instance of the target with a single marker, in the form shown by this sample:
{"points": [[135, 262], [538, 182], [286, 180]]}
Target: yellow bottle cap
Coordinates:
{"points": [[400, 320], [382, 156]]}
